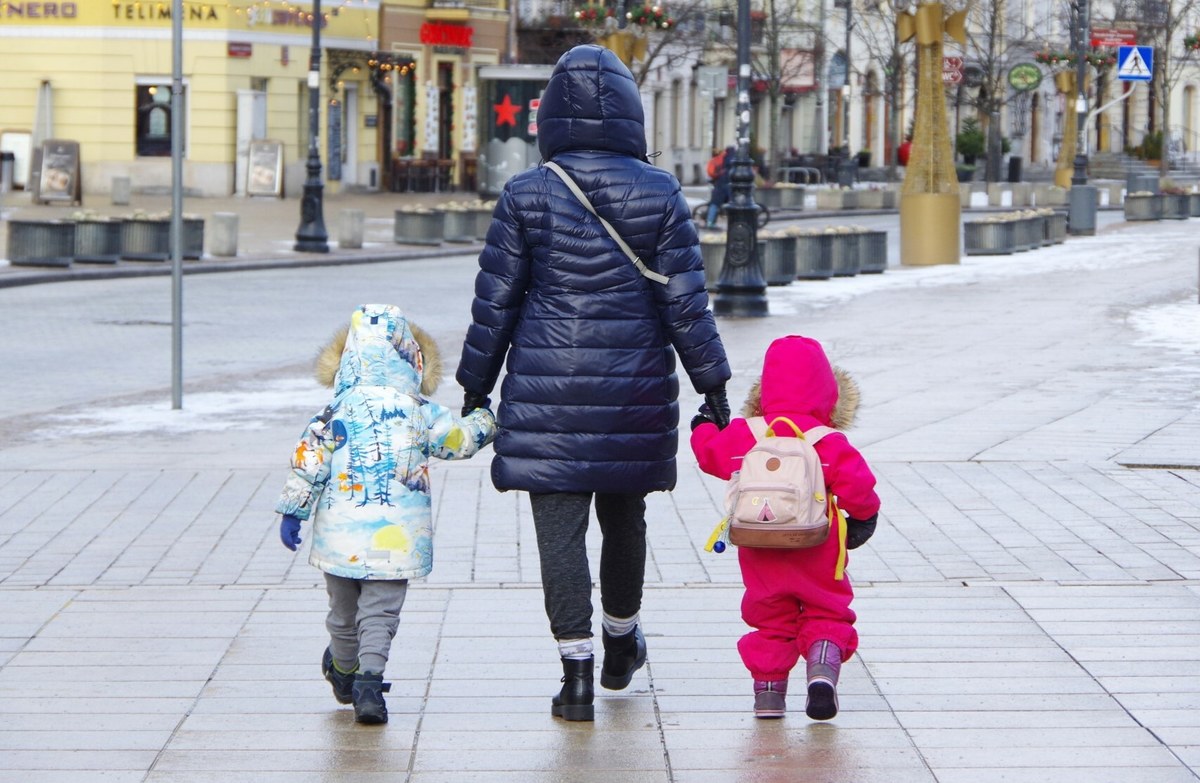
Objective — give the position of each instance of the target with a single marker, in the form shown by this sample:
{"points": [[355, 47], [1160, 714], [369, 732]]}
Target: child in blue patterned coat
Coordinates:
{"points": [[360, 475]]}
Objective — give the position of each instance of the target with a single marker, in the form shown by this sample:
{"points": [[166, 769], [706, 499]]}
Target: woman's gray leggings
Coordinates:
{"points": [[561, 522]]}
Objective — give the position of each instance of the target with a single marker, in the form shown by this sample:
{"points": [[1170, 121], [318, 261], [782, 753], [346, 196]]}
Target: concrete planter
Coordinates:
{"points": [[150, 240], [1143, 207], [778, 260], [98, 240], [1056, 228], [419, 228], [869, 199], [814, 261], [41, 242], [844, 254], [988, 239], [459, 226], [872, 252], [1176, 206], [836, 199], [768, 197], [713, 254], [790, 198], [483, 220], [1031, 232]]}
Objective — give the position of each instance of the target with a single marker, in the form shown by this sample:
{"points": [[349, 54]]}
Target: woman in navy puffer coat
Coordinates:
{"points": [[589, 399]]}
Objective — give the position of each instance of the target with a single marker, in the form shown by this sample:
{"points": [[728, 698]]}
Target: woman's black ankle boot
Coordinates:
{"points": [[623, 655], [574, 701]]}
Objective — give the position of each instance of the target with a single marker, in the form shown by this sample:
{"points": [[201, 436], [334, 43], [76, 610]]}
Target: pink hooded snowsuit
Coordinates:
{"points": [[792, 597]]}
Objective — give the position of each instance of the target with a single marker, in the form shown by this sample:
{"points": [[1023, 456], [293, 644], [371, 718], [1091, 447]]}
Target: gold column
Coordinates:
{"points": [[930, 206], [626, 45], [1064, 167]]}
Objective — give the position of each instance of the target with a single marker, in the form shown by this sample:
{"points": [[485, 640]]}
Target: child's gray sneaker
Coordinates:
{"points": [[369, 706], [343, 683]]}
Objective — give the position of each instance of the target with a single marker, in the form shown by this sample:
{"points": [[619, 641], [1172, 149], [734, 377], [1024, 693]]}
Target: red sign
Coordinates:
{"points": [[952, 77], [240, 49], [952, 63], [1113, 37], [441, 34]]}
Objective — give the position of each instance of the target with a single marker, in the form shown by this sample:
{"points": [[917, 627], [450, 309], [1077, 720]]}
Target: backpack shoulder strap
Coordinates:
{"points": [[612, 232], [816, 433], [758, 426]]}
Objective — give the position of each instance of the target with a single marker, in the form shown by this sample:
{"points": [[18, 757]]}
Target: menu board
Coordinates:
{"points": [[264, 175], [58, 172]]}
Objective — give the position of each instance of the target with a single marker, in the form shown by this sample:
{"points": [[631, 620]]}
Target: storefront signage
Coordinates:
{"points": [[195, 12], [41, 10], [240, 49], [1024, 77], [441, 34]]}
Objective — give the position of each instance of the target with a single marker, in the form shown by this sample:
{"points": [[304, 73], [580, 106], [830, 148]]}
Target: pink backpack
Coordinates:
{"points": [[777, 500]]}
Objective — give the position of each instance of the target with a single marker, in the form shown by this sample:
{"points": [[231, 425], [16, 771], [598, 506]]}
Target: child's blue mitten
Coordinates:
{"points": [[289, 531]]}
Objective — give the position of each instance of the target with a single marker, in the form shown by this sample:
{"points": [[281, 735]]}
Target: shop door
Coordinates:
{"points": [[350, 144]]}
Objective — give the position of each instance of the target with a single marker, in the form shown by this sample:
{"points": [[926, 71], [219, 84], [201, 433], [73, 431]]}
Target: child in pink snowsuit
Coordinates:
{"points": [[798, 600]]}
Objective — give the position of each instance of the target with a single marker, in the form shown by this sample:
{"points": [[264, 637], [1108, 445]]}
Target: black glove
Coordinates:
{"points": [[703, 417], [859, 531], [718, 407], [473, 400]]}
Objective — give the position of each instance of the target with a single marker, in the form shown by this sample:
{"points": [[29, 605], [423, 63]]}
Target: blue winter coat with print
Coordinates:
{"points": [[588, 401], [360, 472]]}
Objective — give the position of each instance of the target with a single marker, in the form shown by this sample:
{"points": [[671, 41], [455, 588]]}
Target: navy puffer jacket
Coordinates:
{"points": [[588, 402]]}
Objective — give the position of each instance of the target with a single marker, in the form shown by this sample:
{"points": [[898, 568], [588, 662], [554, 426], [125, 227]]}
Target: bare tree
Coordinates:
{"points": [[1168, 21], [783, 56], [876, 31]]}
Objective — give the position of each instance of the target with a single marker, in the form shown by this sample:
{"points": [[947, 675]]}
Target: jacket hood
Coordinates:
{"points": [[591, 103], [798, 379], [380, 347]]}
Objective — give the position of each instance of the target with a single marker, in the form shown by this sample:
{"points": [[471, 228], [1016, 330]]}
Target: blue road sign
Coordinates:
{"points": [[1135, 63]]}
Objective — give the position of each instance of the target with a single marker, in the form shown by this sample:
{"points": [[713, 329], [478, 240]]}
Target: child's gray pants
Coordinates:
{"points": [[363, 617]]}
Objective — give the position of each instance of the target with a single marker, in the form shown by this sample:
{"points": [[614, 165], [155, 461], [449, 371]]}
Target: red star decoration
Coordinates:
{"points": [[506, 112]]}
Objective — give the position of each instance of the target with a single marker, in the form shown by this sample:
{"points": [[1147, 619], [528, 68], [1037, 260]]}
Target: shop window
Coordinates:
{"points": [[153, 122]]}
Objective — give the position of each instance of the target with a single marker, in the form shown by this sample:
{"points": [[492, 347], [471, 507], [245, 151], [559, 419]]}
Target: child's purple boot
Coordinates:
{"points": [[770, 698], [824, 664]]}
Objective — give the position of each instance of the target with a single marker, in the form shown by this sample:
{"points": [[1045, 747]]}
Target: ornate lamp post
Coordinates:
{"points": [[311, 237], [741, 288], [1081, 217]]}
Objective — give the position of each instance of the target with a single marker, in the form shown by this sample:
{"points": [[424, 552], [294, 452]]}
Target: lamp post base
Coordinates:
{"points": [[1081, 217], [741, 288], [312, 237], [740, 303]]}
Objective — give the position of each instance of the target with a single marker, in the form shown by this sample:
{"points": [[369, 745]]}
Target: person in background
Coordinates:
{"points": [[719, 169]]}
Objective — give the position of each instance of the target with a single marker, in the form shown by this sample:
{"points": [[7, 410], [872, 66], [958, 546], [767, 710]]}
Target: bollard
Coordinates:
{"points": [[223, 241], [351, 224], [121, 191]]}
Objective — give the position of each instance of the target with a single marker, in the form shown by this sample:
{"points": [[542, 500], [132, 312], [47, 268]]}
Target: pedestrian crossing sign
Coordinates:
{"points": [[1135, 63]]}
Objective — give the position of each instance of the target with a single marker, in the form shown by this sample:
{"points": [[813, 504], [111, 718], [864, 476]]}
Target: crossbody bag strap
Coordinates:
{"points": [[612, 232]]}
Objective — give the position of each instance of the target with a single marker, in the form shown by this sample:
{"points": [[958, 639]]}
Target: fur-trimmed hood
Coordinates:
{"points": [[380, 346], [801, 380]]}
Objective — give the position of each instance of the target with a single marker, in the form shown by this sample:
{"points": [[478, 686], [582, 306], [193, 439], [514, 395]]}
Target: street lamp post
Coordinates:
{"points": [[1081, 217], [311, 237], [741, 288]]}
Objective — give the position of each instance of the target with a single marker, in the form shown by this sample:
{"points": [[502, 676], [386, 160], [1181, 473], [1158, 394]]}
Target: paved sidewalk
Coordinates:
{"points": [[1029, 610]]}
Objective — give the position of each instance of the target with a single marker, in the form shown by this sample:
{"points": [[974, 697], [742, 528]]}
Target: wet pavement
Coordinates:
{"points": [[1029, 609]]}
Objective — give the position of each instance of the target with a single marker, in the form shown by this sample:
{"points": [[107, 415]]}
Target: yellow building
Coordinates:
{"points": [[99, 72]]}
